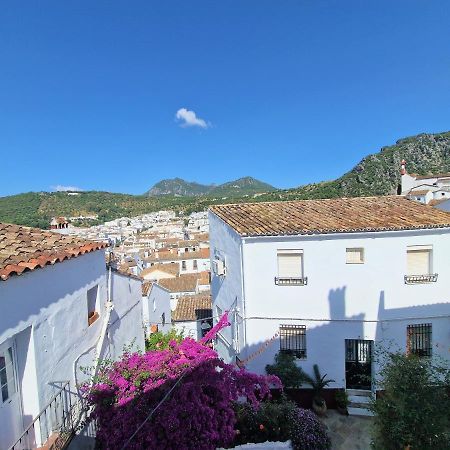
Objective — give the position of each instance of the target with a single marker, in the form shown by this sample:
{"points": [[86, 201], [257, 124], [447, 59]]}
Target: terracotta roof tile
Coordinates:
{"points": [[341, 215], [185, 283], [172, 269], [23, 249], [192, 307]]}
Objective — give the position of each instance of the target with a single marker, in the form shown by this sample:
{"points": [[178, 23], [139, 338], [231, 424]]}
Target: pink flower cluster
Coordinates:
{"points": [[198, 413]]}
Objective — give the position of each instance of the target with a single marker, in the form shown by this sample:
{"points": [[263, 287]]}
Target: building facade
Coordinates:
{"points": [[61, 311], [330, 281]]}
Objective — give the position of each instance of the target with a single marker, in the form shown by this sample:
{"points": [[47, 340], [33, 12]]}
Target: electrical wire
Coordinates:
{"points": [[153, 410]]}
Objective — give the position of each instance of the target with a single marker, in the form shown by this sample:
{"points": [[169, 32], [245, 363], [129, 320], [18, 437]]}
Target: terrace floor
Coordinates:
{"points": [[348, 432]]}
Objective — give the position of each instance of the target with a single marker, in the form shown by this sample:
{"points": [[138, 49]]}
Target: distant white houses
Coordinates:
{"points": [[330, 280], [427, 189], [61, 310]]}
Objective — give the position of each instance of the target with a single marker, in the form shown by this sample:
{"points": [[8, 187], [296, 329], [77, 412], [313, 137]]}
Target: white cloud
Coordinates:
{"points": [[189, 119], [61, 188]]}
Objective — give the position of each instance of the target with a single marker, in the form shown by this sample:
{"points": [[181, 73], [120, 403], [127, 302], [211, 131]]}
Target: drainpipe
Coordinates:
{"points": [[244, 328]]}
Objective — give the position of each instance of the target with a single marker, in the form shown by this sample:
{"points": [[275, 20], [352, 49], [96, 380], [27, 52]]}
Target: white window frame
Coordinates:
{"points": [[286, 279], [349, 250], [419, 278]]}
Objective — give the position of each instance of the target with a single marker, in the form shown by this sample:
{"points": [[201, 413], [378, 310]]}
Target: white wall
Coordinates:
{"points": [[45, 311], [226, 291], [341, 301], [191, 329], [156, 304]]}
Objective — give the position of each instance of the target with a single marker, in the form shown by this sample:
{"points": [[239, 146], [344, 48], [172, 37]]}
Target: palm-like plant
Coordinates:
{"points": [[318, 383]]}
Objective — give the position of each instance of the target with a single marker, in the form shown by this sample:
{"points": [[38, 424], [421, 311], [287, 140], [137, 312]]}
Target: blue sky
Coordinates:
{"points": [[289, 92]]}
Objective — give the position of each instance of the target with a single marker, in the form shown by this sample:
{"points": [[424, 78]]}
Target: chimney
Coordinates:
{"points": [[403, 167]]}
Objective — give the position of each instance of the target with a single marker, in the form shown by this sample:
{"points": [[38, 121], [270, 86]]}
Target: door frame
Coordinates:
{"points": [[368, 363], [11, 343]]}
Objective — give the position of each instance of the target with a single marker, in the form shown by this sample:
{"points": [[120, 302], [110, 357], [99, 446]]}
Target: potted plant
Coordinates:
{"points": [[342, 401], [318, 383]]}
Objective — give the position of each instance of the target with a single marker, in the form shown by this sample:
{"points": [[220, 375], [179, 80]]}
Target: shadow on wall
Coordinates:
{"points": [[391, 330], [325, 342]]}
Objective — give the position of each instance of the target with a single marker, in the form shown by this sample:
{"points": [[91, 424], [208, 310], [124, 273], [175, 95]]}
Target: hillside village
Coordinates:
{"points": [[326, 281]]}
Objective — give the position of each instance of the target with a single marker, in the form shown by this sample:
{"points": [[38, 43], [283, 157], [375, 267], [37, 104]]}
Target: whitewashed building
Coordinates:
{"points": [[329, 280], [61, 310], [193, 315], [156, 308], [427, 189]]}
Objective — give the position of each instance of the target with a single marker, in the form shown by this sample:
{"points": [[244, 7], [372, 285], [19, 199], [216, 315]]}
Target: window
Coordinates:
{"points": [[419, 260], [154, 304], [219, 312], [419, 264], [290, 268], [293, 340], [183, 265], [7, 381], [195, 265], [418, 339], [354, 256], [163, 319], [92, 295]]}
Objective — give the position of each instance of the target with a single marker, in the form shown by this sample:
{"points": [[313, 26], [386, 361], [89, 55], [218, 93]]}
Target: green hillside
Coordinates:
{"points": [[377, 174]]}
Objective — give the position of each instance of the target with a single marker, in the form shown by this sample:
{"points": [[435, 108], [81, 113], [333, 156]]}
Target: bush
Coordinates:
{"points": [[267, 423], [415, 406], [189, 389], [286, 370], [160, 340], [307, 432], [280, 421]]}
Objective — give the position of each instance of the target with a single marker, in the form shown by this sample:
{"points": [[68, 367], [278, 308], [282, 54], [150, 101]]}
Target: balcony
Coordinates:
{"points": [[55, 425], [288, 281], [421, 279]]}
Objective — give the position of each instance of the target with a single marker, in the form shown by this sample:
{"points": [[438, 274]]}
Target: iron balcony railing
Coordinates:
{"points": [[290, 281], [55, 425], [418, 279]]}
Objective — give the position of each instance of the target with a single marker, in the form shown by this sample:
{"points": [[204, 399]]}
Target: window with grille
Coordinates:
{"points": [[293, 340], [290, 268], [419, 339], [354, 256]]}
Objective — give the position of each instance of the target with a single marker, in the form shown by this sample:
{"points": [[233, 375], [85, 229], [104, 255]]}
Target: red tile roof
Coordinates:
{"points": [[193, 307], [339, 215], [23, 249]]}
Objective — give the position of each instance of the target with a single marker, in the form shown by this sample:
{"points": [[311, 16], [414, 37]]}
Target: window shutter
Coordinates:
{"points": [[418, 262], [290, 265], [355, 255]]}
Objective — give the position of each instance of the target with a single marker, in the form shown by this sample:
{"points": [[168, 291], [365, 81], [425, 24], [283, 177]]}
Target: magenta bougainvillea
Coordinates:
{"points": [[198, 412]]}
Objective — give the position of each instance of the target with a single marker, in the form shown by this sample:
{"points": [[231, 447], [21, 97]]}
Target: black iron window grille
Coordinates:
{"points": [[290, 281], [419, 339], [418, 279], [293, 340]]}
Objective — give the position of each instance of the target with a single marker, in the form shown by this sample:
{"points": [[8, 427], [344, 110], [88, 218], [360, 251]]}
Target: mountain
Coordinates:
{"points": [[241, 187], [376, 174], [182, 188], [379, 173], [178, 187]]}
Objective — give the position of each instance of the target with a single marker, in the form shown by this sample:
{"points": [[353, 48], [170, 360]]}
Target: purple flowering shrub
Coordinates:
{"points": [[280, 421], [307, 432], [197, 414]]}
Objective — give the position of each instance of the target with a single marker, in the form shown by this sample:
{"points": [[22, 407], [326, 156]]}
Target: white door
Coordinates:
{"points": [[10, 403]]}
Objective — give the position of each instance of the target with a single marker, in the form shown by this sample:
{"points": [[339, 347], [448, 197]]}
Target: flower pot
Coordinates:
{"points": [[319, 406]]}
